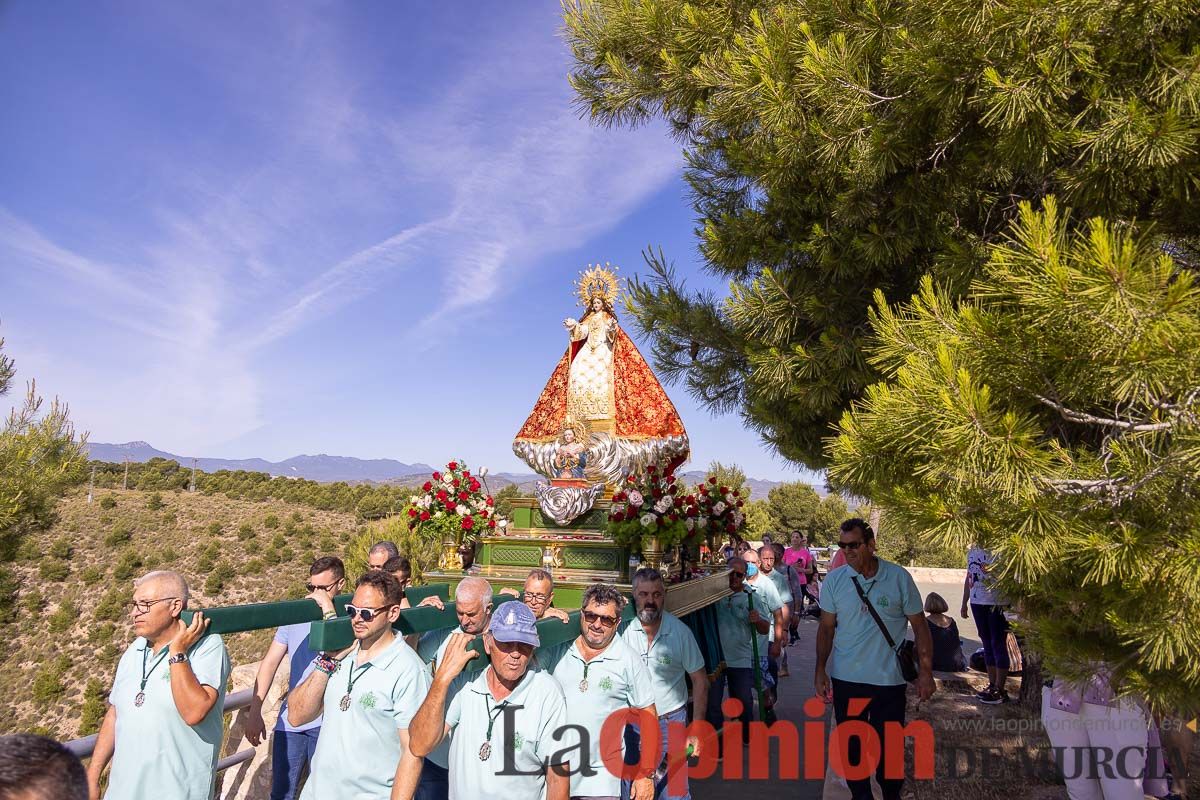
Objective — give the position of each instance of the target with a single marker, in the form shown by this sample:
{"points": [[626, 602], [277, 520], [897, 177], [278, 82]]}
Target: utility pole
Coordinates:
{"points": [[92, 484], [125, 483], [192, 485]]}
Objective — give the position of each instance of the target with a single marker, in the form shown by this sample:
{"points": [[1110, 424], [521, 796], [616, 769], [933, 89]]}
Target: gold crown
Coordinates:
{"points": [[598, 281]]}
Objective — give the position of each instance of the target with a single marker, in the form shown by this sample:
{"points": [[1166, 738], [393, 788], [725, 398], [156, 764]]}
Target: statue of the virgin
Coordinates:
{"points": [[602, 414]]}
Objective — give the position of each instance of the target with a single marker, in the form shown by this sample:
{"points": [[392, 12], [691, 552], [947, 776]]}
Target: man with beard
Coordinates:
{"points": [[669, 651], [600, 674], [502, 727], [163, 728], [369, 694], [864, 664]]}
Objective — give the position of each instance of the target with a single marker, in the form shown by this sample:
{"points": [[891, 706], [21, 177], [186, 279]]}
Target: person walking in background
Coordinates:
{"points": [[988, 611], [767, 559], [865, 663], [802, 560], [943, 630], [770, 650], [292, 747], [164, 725]]}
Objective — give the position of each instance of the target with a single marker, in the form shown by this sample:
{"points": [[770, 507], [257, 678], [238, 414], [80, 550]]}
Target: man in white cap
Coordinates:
{"points": [[503, 725]]}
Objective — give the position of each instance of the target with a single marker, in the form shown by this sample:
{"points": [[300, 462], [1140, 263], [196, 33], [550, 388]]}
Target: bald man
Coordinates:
{"points": [[163, 728]]}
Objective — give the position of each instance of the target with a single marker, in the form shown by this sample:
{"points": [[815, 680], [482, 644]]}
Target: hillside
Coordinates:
{"points": [[75, 578]]}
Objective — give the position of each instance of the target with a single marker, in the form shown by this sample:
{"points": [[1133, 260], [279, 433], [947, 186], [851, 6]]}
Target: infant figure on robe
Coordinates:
{"points": [[602, 415]]}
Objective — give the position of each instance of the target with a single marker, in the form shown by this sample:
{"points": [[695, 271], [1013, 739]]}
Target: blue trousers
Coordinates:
{"points": [[434, 783], [291, 754], [993, 631]]}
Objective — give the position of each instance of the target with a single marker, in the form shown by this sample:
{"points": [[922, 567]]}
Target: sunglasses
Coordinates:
{"points": [[591, 617], [312, 587], [367, 614], [850, 545], [143, 606]]}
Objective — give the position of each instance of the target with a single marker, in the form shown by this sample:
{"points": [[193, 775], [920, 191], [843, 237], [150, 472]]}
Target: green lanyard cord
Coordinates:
{"points": [[352, 679], [493, 715], [146, 675]]}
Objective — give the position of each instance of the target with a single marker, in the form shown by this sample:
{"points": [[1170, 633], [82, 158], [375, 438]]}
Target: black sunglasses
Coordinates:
{"points": [[367, 614], [592, 617], [312, 587], [850, 545]]}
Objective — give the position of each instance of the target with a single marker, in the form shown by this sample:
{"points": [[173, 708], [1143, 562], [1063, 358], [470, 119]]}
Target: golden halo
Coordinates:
{"points": [[599, 281]]}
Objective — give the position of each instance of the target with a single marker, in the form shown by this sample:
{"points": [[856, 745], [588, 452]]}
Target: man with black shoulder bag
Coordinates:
{"points": [[865, 610]]}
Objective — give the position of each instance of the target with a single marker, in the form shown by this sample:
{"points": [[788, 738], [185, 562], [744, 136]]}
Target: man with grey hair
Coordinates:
{"points": [[473, 606], [669, 651], [380, 553], [599, 674], [538, 595], [164, 725]]}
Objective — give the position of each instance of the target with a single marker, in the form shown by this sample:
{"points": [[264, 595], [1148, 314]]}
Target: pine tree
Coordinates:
{"points": [[1054, 417], [39, 458], [836, 149]]}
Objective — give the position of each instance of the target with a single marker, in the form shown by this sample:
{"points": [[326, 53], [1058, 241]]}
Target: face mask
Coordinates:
{"points": [[751, 570]]}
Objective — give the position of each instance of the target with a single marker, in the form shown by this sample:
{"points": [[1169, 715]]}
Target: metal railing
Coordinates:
{"points": [[84, 747]]}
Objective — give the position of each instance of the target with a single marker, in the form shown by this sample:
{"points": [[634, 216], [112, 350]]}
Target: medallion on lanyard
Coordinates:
{"points": [[139, 699], [485, 751]]}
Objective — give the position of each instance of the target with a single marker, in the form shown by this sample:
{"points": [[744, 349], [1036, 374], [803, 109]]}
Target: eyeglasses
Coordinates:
{"points": [[143, 606], [536, 597], [850, 545], [591, 617], [312, 587], [367, 614]]}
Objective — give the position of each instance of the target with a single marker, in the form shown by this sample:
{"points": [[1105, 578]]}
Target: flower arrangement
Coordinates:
{"points": [[719, 509], [651, 505], [454, 505]]}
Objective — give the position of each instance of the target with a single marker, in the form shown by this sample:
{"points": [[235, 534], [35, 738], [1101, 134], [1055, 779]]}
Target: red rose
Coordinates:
{"points": [[704, 491], [427, 486], [468, 522], [441, 495], [629, 479], [412, 512], [491, 523], [691, 498], [464, 496], [449, 505], [674, 518], [437, 476], [673, 489], [693, 511], [724, 490], [739, 503], [474, 485], [483, 513], [735, 493], [670, 479], [453, 465], [424, 515], [712, 481], [619, 496], [617, 516], [490, 501], [456, 483], [466, 473], [651, 469], [678, 502], [731, 528]]}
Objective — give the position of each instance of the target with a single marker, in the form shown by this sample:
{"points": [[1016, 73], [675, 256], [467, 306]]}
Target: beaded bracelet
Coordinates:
{"points": [[326, 664]]}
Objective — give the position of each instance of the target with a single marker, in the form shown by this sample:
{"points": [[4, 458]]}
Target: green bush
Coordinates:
{"points": [[29, 550], [169, 555], [297, 516], [111, 607], [155, 502], [245, 532], [278, 541], [104, 632], [270, 556], [214, 529], [221, 574], [49, 685], [205, 563], [128, 565], [170, 518], [32, 601], [53, 570], [326, 543], [62, 548], [253, 566], [109, 501], [94, 707], [271, 522], [252, 546], [63, 618], [285, 555], [120, 534], [91, 575]]}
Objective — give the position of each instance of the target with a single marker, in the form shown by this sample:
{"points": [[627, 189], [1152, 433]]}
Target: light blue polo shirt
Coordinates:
{"points": [[536, 712], [157, 754], [860, 653], [780, 582], [733, 623], [300, 661], [672, 655], [616, 679], [359, 748]]}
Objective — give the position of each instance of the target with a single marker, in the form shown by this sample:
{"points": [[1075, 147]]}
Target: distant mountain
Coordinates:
{"points": [[328, 469], [323, 468]]}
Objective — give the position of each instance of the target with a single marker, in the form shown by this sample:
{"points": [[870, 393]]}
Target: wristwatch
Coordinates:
{"points": [[177, 659]]}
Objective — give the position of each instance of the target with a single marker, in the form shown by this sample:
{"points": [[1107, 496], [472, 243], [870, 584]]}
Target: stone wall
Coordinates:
{"points": [[251, 780]]}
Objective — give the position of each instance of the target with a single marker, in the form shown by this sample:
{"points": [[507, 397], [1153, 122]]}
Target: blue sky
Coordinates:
{"points": [[269, 229]]}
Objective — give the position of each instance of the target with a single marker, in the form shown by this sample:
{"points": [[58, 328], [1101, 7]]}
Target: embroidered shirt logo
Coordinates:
{"points": [[367, 701], [518, 741], [606, 683]]}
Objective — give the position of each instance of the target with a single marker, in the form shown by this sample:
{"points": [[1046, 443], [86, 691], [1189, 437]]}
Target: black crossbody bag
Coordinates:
{"points": [[904, 656]]}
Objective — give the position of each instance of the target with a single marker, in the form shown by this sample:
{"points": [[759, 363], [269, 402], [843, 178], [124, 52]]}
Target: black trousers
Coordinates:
{"points": [[886, 705]]}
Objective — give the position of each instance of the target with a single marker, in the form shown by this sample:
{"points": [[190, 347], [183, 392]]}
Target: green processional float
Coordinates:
{"points": [[607, 440]]}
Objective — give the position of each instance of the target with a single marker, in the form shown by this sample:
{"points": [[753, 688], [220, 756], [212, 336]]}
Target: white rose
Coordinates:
{"points": [[483, 471], [503, 523], [437, 514], [690, 524], [718, 508], [414, 499], [730, 499], [647, 520], [662, 505], [702, 523], [738, 517], [461, 510], [635, 498]]}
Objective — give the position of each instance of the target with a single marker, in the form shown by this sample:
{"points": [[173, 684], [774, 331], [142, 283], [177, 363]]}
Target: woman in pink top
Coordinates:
{"points": [[800, 557]]}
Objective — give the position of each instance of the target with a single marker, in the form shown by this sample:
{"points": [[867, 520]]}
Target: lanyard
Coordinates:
{"points": [[146, 675], [352, 679], [493, 715]]}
